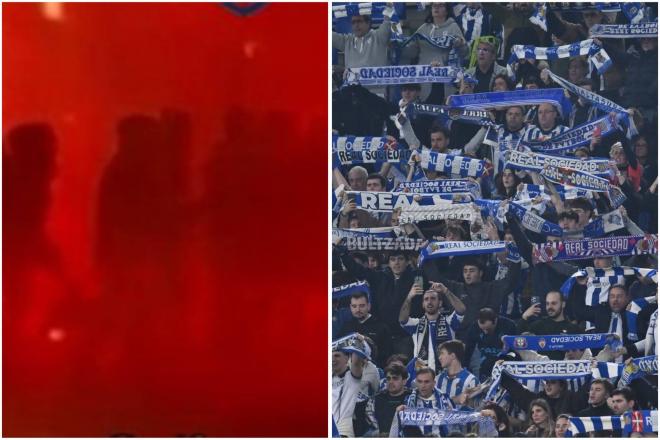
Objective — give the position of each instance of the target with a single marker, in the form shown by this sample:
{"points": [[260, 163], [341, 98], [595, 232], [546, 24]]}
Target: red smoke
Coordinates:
{"points": [[171, 279]]}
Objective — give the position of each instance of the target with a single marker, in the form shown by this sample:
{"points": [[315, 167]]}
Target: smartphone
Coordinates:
{"points": [[419, 280]]}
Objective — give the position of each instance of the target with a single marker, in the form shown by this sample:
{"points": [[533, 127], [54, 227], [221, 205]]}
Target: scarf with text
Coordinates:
{"points": [[597, 55], [529, 161], [476, 117], [594, 247], [598, 101], [576, 137], [411, 74], [494, 100], [452, 164], [416, 214], [640, 30], [574, 178], [351, 150]]}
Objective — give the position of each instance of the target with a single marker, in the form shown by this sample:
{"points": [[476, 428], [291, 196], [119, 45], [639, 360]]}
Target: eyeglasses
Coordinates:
{"points": [[388, 378], [547, 112]]}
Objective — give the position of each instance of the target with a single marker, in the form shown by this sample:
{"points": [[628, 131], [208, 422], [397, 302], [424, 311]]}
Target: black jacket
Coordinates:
{"points": [[374, 329], [387, 292], [477, 296], [568, 402]]}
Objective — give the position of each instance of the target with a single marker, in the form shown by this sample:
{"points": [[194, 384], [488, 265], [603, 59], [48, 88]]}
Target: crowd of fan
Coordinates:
{"points": [[433, 332]]}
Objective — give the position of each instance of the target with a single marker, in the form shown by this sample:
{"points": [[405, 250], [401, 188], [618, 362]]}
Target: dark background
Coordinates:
{"points": [[174, 280]]}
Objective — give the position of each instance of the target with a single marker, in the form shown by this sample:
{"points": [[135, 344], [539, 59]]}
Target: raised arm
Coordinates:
{"points": [[404, 313], [455, 302]]}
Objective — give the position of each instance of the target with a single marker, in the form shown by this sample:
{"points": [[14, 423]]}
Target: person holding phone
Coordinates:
{"points": [[436, 325]]}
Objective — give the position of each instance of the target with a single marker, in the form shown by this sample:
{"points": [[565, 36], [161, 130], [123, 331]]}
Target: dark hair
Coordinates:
{"points": [[360, 256], [454, 347], [397, 357], [499, 184], [509, 84], [376, 255], [450, 12], [626, 392], [426, 370], [398, 252], [487, 314], [474, 262], [397, 370], [620, 286], [436, 128], [533, 79], [502, 418], [605, 383], [383, 181], [581, 203], [456, 230], [361, 294], [569, 215]]}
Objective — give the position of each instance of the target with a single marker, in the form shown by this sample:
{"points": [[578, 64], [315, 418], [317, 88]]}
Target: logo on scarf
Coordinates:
{"points": [[542, 343], [520, 343], [637, 421]]}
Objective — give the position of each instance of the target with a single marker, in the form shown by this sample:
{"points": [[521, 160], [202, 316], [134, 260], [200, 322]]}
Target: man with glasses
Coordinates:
{"points": [[486, 69], [381, 407], [548, 126]]}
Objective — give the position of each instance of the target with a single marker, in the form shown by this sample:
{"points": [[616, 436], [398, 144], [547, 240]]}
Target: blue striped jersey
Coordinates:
{"points": [[453, 386], [535, 133]]}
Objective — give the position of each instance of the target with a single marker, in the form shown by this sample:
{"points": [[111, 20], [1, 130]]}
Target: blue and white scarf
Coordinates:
{"points": [[444, 41], [531, 373], [638, 367], [641, 421], [383, 201], [529, 161], [600, 102], [351, 344], [600, 280], [494, 100], [443, 186], [441, 249], [412, 74], [427, 417], [461, 211], [383, 243], [375, 10], [577, 179], [597, 55], [351, 150], [534, 222], [451, 164], [616, 196], [595, 247], [476, 117], [585, 425], [563, 342], [603, 224], [391, 231], [576, 137], [641, 30], [531, 191], [636, 306], [349, 289]]}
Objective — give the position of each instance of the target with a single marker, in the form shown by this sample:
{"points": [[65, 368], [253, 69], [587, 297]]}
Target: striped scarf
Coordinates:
{"points": [[600, 280]]}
